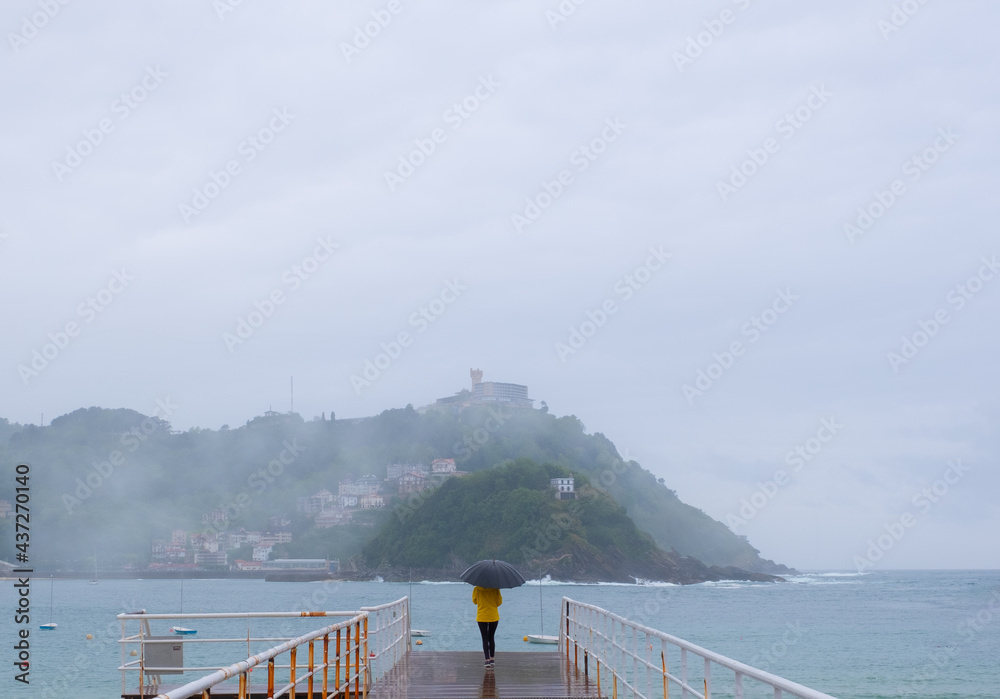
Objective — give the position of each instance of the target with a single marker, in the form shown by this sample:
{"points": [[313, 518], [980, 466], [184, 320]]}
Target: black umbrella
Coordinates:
{"points": [[493, 573]]}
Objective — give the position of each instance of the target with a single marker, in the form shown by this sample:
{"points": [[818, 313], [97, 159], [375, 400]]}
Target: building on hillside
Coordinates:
{"points": [[511, 395], [565, 489], [443, 466], [278, 522], [178, 537], [347, 501], [492, 393], [394, 472], [168, 552], [240, 564], [206, 558], [215, 516], [205, 542], [241, 538], [413, 482], [308, 505], [261, 553], [272, 538], [462, 399], [366, 485], [316, 503], [333, 517], [369, 502]]}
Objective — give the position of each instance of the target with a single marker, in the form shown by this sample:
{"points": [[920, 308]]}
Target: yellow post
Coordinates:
{"points": [[291, 676], [243, 686], [270, 678], [312, 667], [666, 685], [706, 689], [326, 661], [337, 673], [347, 670]]}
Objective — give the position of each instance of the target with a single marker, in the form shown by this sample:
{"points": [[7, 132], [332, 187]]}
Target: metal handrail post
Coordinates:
{"points": [[684, 673], [337, 673], [357, 660], [367, 659], [347, 671], [312, 667], [326, 662]]}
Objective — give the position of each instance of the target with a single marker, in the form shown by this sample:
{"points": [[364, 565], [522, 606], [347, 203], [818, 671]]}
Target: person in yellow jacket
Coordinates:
{"points": [[487, 599]]}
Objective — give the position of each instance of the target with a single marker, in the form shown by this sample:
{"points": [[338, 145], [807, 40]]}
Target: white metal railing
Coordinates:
{"points": [[348, 652], [388, 636], [640, 661]]}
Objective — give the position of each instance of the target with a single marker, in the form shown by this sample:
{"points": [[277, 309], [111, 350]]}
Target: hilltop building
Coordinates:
{"points": [[491, 392], [512, 395], [443, 466], [565, 488]]}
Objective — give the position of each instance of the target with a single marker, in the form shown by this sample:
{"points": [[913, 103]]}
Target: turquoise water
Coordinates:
{"points": [[881, 634]]}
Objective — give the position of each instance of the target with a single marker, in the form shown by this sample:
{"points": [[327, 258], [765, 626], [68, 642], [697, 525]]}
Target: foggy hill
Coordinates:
{"points": [[115, 479], [509, 512]]}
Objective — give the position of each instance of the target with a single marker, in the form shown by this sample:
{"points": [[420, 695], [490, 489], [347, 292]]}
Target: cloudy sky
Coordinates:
{"points": [[717, 232]]}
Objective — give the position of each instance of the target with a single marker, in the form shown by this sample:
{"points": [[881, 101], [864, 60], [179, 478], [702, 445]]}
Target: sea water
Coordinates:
{"points": [[922, 634]]}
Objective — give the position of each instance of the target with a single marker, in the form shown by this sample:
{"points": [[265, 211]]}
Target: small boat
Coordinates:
{"points": [[416, 633], [51, 626], [541, 638], [181, 630]]}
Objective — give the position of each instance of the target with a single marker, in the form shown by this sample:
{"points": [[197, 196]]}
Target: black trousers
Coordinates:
{"points": [[488, 629]]}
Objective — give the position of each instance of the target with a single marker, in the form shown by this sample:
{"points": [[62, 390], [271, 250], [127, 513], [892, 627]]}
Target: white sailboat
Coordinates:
{"points": [[182, 630], [93, 580], [415, 633], [541, 637], [51, 625]]}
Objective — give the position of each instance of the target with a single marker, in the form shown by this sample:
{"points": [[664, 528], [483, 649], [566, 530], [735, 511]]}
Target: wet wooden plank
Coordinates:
{"points": [[461, 675], [445, 675]]}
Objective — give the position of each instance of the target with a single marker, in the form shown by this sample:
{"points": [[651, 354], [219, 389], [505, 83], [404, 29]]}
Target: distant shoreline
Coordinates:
{"points": [[277, 575]]}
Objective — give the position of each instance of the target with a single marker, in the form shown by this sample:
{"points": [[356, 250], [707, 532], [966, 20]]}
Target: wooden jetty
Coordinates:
{"points": [[461, 675]]}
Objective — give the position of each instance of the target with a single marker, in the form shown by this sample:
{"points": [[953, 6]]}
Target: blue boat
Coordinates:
{"points": [[51, 626]]}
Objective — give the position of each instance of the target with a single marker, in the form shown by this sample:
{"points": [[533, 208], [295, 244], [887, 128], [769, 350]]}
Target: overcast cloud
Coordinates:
{"points": [[373, 176]]}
